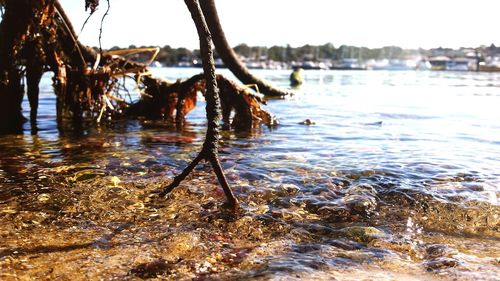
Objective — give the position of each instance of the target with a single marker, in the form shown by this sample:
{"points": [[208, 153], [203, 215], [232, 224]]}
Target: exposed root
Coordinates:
{"points": [[209, 151], [241, 108], [90, 84]]}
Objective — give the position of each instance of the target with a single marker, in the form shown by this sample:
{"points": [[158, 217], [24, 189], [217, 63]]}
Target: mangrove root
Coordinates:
{"points": [[90, 83], [209, 151], [241, 108]]}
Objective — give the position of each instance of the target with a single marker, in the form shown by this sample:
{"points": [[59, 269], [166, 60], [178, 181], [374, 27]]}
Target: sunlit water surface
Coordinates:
{"points": [[397, 178]]}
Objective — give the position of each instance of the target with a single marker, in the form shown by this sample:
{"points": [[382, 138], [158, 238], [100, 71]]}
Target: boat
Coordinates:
{"points": [[455, 64], [349, 64], [156, 64], [394, 64], [461, 64], [489, 67], [439, 62], [492, 64], [185, 64], [313, 65]]}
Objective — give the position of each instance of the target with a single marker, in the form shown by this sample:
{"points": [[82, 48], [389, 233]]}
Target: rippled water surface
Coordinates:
{"points": [[397, 178]]}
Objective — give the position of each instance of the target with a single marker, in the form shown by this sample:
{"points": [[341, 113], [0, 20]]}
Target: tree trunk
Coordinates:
{"points": [[13, 30]]}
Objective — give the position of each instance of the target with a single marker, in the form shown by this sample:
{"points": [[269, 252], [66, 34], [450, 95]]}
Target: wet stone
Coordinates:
{"points": [[439, 250], [336, 214], [362, 188], [287, 190], [441, 263], [346, 244], [364, 234], [86, 175], [154, 268], [306, 248], [361, 204], [324, 192]]}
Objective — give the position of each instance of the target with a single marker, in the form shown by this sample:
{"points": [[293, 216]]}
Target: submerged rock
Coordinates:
{"points": [[153, 269], [307, 122], [441, 263], [364, 234], [439, 250]]}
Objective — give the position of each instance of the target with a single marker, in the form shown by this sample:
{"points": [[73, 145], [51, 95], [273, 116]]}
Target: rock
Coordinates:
{"points": [[307, 122], [441, 263], [439, 250], [364, 234]]}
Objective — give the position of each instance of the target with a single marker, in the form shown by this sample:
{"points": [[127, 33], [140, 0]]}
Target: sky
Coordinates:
{"points": [[370, 23]]}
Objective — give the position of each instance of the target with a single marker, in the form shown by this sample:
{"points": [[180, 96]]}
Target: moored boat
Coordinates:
{"points": [[349, 64]]}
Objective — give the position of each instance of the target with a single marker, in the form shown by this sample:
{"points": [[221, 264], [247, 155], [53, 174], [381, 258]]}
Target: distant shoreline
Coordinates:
{"points": [[327, 56]]}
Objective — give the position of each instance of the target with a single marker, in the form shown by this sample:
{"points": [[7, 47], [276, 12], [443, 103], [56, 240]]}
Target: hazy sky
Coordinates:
{"points": [[371, 23]]}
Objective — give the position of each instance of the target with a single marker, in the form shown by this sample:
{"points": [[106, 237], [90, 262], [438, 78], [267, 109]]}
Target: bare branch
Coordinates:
{"points": [[228, 55], [102, 21], [209, 151]]}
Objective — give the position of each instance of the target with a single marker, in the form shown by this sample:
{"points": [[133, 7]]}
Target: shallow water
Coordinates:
{"points": [[397, 179]]}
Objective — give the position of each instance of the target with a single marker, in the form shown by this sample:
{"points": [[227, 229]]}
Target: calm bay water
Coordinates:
{"points": [[397, 178]]}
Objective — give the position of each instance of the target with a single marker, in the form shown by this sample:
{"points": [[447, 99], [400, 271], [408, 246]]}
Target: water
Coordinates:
{"points": [[396, 179]]}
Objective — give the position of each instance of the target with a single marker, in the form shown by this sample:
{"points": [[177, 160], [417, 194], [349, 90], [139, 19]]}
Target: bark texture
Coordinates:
{"points": [[209, 151]]}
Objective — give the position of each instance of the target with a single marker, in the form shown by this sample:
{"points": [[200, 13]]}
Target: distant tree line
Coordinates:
{"points": [[173, 56], [318, 53], [167, 54]]}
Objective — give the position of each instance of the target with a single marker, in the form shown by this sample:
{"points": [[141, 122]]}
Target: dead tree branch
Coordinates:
{"points": [[102, 23], [227, 54], [209, 150]]}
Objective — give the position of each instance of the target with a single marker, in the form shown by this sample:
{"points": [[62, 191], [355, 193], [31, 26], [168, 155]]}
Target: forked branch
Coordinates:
{"points": [[209, 151]]}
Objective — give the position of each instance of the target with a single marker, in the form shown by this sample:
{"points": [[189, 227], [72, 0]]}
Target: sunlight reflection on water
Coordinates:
{"points": [[398, 174]]}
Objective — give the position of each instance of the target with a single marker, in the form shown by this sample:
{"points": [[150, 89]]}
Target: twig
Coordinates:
{"points": [[84, 24], [67, 24], [102, 21]]}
